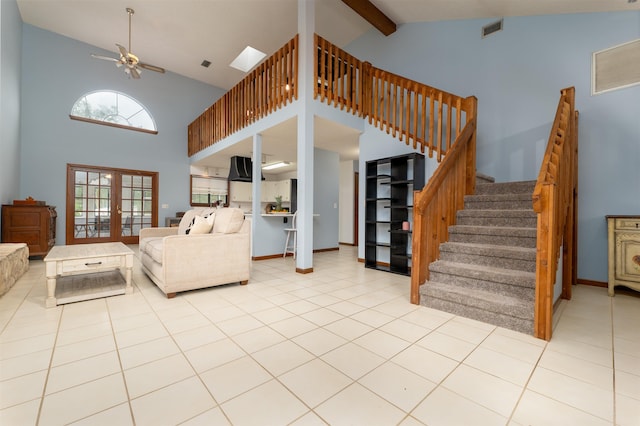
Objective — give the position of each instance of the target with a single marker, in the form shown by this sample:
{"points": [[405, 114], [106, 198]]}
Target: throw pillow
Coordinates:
{"points": [[200, 226]]}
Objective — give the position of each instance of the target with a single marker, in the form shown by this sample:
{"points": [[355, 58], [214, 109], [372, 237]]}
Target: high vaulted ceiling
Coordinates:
{"points": [[179, 34]]}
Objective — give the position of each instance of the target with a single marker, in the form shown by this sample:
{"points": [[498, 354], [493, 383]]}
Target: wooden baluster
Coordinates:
{"points": [[432, 141], [439, 124], [416, 94]]}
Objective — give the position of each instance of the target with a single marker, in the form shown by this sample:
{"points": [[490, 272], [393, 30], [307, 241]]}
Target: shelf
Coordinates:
{"points": [[391, 180]]}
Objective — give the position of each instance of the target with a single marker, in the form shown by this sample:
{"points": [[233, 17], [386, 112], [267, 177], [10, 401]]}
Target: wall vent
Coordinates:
{"points": [[616, 67], [489, 29]]}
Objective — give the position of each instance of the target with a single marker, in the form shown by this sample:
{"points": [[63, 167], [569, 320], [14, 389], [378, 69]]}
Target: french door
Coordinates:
{"points": [[108, 204]]}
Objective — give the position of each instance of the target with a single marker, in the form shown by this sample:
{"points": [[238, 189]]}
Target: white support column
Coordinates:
{"points": [[306, 30], [256, 187]]}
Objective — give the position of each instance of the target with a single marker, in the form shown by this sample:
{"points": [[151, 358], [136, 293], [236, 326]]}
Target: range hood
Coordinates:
{"points": [[240, 169]]}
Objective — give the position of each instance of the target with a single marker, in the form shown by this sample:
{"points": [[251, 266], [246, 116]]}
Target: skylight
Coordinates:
{"points": [[247, 59]]}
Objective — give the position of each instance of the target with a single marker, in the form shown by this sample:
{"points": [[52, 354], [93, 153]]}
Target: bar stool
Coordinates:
{"points": [[291, 232]]}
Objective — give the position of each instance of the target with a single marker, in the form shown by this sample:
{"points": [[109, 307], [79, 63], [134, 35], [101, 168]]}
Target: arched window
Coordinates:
{"points": [[115, 109]]}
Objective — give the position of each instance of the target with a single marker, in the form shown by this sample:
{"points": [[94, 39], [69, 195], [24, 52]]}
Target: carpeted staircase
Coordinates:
{"points": [[486, 270]]}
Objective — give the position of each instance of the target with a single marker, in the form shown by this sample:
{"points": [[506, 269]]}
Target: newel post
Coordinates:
{"points": [[471, 108]]}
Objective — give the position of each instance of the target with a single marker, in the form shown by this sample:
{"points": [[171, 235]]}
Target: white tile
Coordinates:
{"points": [[464, 332], [381, 343], [139, 335], [282, 357], [172, 404], [372, 318], [214, 354], [427, 317], [626, 346], [628, 384], [627, 410], [235, 377], [309, 419], [428, 364], [516, 345], [353, 360], [118, 415], [238, 325], [322, 316], [405, 330], [185, 323], [536, 409], [195, 337], [446, 345], [157, 374], [22, 389], [326, 380], [134, 321], [446, 408], [27, 345], [82, 371], [21, 414], [80, 401], [272, 315], [293, 326], [482, 388], [143, 353], [581, 395], [346, 308], [83, 349], [25, 364], [627, 363], [258, 339], [348, 328], [578, 369], [319, 341], [79, 334], [214, 416], [271, 404], [356, 405], [397, 385], [499, 365]]}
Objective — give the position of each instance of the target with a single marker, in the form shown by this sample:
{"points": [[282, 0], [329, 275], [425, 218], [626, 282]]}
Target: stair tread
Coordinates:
{"points": [[473, 270], [484, 295], [511, 230], [474, 247], [495, 212]]}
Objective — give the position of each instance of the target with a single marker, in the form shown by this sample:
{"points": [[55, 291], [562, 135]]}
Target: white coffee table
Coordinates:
{"points": [[84, 270]]}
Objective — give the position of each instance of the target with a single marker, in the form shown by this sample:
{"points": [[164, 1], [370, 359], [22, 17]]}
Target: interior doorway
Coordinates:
{"points": [[109, 204]]}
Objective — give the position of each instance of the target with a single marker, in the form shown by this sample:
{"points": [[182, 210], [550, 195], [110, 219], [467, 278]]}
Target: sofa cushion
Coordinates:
{"points": [[188, 218], [202, 225], [228, 220], [154, 247]]}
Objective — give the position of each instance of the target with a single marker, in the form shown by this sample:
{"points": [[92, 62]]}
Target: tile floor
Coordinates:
{"points": [[339, 346]]}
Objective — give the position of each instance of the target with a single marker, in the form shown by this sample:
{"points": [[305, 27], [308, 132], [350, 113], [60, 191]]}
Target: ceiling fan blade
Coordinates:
{"points": [[122, 50], [134, 72], [106, 58], [151, 67]]}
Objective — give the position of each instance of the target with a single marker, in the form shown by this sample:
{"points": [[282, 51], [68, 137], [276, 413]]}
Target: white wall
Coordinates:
{"points": [[517, 75]]}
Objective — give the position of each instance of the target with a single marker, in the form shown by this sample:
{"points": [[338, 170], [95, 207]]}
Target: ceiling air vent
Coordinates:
{"points": [[487, 30]]}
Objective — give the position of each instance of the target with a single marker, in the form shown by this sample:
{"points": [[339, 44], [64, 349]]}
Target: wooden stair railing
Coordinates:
{"points": [[435, 207], [554, 201]]}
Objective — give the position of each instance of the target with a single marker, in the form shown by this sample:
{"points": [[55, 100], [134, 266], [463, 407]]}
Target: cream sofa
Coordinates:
{"points": [[209, 247]]}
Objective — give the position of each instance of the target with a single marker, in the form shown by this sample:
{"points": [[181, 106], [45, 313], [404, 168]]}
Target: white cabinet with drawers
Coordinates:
{"points": [[624, 252]]}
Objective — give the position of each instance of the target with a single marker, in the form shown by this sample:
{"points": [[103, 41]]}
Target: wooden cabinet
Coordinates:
{"points": [[34, 225], [389, 211], [624, 252]]}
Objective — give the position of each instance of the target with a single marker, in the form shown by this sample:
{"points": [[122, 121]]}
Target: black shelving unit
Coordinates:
{"points": [[389, 202]]}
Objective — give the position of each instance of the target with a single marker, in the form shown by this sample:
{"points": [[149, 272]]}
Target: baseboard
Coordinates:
{"points": [[592, 283], [348, 244], [275, 256], [361, 259], [304, 271]]}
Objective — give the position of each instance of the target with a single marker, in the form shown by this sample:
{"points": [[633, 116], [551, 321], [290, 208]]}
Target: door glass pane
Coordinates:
{"points": [[92, 204], [136, 204]]}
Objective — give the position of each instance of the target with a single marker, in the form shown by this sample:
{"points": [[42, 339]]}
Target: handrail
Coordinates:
{"points": [[435, 207], [554, 201], [268, 87]]}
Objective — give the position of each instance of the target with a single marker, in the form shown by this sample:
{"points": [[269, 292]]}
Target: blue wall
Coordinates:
{"points": [[56, 71], [10, 53], [517, 75]]}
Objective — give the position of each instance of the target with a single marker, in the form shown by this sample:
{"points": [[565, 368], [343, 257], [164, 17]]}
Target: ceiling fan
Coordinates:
{"points": [[130, 61]]}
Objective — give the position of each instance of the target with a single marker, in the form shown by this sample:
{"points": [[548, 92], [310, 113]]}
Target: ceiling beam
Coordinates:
{"points": [[373, 15]]}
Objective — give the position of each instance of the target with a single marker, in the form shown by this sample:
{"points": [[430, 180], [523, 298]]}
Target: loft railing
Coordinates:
{"points": [[435, 207], [428, 118], [268, 87], [554, 201]]}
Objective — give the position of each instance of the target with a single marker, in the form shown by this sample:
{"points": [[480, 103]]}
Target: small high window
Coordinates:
{"points": [[115, 109]]}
